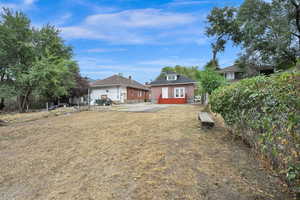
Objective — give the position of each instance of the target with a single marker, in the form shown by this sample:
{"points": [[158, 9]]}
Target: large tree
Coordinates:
{"points": [[269, 33], [33, 61]]}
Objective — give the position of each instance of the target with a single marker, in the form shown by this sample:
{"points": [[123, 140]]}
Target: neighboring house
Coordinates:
{"points": [[234, 73], [172, 88], [119, 89]]}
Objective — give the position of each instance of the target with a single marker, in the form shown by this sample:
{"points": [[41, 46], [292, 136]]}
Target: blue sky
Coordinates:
{"points": [[132, 37]]}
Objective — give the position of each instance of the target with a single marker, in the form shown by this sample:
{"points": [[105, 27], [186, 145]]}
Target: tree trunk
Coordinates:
{"points": [[2, 104], [297, 18], [23, 101]]}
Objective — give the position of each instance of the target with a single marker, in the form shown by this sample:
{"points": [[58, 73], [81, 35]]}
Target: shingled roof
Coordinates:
{"points": [[232, 68], [162, 80], [117, 80]]}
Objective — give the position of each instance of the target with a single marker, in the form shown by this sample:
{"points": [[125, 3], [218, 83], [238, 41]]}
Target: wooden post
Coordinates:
{"points": [[89, 104], [206, 98], [47, 107]]}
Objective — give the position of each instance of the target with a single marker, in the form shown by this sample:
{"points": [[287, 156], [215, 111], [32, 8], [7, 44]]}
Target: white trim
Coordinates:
{"points": [[165, 84], [181, 92], [171, 75]]}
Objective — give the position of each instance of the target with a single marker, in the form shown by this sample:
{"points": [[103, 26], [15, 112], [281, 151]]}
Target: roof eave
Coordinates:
{"points": [[162, 84]]}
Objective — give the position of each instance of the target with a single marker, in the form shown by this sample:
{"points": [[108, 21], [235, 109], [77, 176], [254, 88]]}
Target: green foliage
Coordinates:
{"points": [[265, 112], [212, 65], [209, 80], [190, 72], [268, 33], [33, 61]]}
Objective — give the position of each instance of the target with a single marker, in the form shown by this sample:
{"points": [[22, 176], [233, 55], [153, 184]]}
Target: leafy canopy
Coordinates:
{"points": [[33, 61], [268, 33]]}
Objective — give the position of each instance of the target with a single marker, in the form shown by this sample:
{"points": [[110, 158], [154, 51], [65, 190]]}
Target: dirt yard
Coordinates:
{"points": [[122, 155]]}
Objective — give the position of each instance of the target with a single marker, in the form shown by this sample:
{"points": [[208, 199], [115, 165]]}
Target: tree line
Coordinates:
{"points": [[35, 62]]}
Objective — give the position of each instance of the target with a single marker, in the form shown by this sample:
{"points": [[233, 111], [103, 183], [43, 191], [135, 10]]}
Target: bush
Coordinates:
{"points": [[210, 80], [265, 112]]}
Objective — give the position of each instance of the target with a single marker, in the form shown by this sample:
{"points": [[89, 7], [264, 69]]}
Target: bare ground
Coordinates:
{"points": [[120, 155]]}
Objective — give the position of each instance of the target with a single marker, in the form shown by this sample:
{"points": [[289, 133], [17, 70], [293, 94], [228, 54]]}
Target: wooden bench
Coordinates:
{"points": [[206, 120], [2, 122]]}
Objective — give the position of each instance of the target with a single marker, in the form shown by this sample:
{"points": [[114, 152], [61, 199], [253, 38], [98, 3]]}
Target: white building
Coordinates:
{"points": [[119, 89]]}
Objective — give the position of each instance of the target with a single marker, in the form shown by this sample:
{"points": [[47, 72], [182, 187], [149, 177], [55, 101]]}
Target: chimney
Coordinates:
{"points": [[129, 77]]}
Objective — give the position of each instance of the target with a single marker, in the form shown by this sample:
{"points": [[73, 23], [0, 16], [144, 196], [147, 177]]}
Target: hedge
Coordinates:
{"points": [[265, 113]]}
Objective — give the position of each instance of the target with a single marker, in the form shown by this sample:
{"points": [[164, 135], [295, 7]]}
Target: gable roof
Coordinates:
{"points": [[117, 80], [235, 68], [232, 68], [162, 80]]}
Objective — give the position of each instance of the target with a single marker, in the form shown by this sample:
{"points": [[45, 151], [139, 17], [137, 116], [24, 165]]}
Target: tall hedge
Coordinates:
{"points": [[265, 112]]}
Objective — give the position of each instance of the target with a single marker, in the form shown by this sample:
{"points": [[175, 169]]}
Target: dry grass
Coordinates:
{"points": [[31, 116], [120, 155]]}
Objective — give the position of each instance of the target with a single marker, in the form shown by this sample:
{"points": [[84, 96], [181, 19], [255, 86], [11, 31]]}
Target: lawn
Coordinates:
{"points": [[128, 155]]}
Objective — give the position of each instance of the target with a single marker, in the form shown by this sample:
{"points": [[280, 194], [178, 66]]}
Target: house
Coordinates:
{"points": [[172, 88], [234, 73], [119, 89]]}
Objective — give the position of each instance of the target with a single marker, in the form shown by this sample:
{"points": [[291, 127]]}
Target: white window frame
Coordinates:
{"points": [[230, 76], [181, 92], [174, 77]]}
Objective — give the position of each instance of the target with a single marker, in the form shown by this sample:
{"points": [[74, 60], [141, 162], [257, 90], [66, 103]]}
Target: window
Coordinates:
{"points": [[171, 77], [107, 91], [229, 75], [140, 93], [179, 92]]}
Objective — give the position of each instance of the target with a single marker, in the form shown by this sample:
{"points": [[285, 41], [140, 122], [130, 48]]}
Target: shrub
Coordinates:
{"points": [[210, 80], [265, 112]]}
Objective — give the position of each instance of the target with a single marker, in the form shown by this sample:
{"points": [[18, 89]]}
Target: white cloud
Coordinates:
{"points": [[174, 61], [100, 50], [29, 2], [149, 18], [186, 2], [23, 5], [129, 27], [113, 36]]}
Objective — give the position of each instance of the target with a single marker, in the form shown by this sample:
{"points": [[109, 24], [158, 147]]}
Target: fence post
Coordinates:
{"points": [[89, 101]]}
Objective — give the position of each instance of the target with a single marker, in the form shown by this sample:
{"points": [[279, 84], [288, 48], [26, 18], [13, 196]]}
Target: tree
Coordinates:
{"points": [[223, 27], [15, 48], [212, 65], [33, 61], [81, 86], [210, 80], [269, 33]]}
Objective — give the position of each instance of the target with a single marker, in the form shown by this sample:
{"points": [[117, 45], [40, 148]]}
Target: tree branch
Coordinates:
{"points": [[295, 3]]}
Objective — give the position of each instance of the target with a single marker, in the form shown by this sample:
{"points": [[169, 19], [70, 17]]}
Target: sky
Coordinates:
{"points": [[132, 37]]}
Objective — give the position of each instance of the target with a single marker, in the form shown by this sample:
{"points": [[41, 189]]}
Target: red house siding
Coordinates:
{"points": [[137, 95], [156, 93]]}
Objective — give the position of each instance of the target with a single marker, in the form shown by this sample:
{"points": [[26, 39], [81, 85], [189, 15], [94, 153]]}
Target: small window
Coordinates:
{"points": [[107, 91], [179, 92], [171, 77]]}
